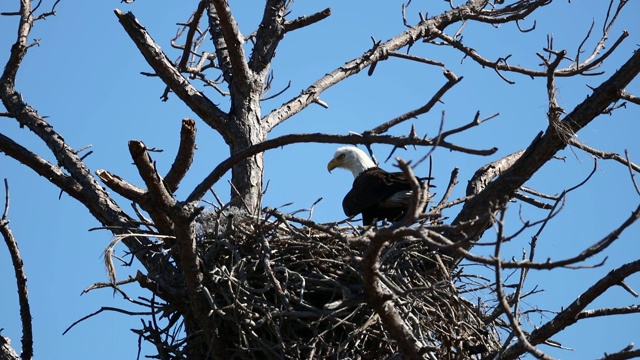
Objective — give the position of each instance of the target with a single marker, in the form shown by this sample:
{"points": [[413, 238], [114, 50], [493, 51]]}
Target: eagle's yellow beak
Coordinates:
{"points": [[334, 163]]}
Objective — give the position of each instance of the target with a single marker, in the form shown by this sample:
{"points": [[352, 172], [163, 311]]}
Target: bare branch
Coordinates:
{"points": [[569, 315], [354, 139], [382, 300], [603, 154], [160, 198], [21, 279], [197, 101], [303, 21], [502, 298], [184, 157], [234, 41], [452, 80], [121, 186], [378, 53], [634, 99], [541, 150]]}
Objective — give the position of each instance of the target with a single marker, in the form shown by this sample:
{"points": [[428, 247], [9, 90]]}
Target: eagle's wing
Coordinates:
{"points": [[377, 188]]}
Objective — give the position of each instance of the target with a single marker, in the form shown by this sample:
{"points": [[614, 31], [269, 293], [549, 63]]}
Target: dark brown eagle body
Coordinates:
{"points": [[378, 195]]}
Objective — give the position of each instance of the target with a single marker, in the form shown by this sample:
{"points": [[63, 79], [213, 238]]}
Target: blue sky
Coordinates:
{"points": [[85, 77]]}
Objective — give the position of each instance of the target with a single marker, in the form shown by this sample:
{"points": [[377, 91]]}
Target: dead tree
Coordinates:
{"points": [[247, 280]]}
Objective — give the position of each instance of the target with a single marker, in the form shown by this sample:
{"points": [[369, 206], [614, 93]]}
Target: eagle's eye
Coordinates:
{"points": [[341, 156]]}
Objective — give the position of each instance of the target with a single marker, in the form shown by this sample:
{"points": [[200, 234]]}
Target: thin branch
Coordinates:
{"points": [[416, 58], [604, 154], [453, 181], [501, 65], [21, 279], [475, 122], [303, 21], [452, 80], [353, 139], [569, 315], [352, 67], [502, 299]]}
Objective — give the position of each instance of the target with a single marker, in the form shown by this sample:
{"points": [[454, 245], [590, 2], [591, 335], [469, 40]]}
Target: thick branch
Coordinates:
{"points": [[542, 149], [270, 32], [19, 49], [378, 53], [234, 41], [121, 186], [184, 157]]}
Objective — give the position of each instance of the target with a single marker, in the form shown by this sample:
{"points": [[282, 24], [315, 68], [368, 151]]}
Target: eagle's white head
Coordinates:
{"points": [[352, 159]]}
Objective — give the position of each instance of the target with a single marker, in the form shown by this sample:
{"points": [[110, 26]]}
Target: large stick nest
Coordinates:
{"points": [[284, 287]]}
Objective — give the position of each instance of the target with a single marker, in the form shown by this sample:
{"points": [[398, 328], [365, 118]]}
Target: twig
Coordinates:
{"points": [[105, 308], [452, 80]]}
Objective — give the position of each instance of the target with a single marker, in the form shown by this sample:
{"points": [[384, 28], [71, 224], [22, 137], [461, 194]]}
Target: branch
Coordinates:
{"points": [[382, 300], [194, 99], [21, 279], [184, 157], [452, 80], [603, 154], [234, 41], [353, 139], [419, 197], [19, 49], [40, 166], [380, 52], [303, 21], [483, 176], [502, 65], [6, 351], [589, 252], [541, 150], [634, 99], [161, 199], [121, 186], [570, 315], [504, 303], [71, 174], [193, 29], [269, 34]]}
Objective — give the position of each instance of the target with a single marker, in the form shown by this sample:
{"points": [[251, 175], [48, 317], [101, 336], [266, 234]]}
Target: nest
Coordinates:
{"points": [[287, 288]]}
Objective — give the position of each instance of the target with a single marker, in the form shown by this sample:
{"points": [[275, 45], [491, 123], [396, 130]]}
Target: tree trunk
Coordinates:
{"points": [[246, 177]]}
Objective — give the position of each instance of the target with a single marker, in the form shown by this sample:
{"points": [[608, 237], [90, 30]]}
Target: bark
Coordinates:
{"points": [[6, 351]]}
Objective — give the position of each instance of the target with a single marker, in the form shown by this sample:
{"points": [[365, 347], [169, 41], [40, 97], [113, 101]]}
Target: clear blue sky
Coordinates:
{"points": [[84, 76]]}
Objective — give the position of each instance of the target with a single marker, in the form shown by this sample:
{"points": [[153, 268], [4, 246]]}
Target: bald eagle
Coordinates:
{"points": [[376, 194]]}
